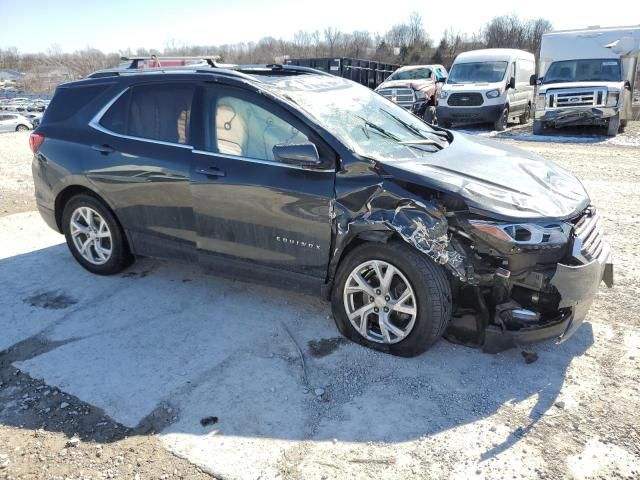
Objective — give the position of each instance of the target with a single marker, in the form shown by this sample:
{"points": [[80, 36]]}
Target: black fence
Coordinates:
{"points": [[365, 72]]}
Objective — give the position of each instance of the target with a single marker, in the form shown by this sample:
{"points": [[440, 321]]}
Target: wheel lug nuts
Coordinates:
{"points": [[386, 309], [378, 292], [387, 298], [376, 309], [371, 299]]}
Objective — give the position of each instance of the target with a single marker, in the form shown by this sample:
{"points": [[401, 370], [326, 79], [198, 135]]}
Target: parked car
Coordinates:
{"points": [[586, 77], [293, 177], [10, 122], [415, 88], [34, 118], [488, 86]]}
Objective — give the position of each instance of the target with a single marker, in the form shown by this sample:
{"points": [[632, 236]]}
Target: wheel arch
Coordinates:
{"points": [[71, 191]]}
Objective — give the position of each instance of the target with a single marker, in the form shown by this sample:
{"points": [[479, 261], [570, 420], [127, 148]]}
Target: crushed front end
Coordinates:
{"points": [[526, 282]]}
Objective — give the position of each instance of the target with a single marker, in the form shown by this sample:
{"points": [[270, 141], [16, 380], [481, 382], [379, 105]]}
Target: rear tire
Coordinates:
{"points": [[22, 128], [538, 127], [613, 126], [501, 122], [526, 116], [106, 250], [430, 298]]}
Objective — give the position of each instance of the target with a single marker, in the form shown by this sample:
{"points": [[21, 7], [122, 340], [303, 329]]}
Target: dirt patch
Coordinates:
{"points": [[325, 346], [47, 433], [52, 300]]}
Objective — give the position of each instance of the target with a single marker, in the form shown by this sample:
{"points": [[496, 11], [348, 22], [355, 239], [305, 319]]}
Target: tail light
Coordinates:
{"points": [[35, 140]]}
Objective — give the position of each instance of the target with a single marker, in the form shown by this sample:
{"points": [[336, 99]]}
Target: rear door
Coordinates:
{"points": [[140, 161], [248, 206]]}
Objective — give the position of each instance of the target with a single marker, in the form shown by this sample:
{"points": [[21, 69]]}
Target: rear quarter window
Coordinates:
{"points": [[69, 100]]}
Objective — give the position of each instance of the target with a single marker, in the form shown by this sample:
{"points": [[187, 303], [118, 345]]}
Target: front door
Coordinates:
{"points": [[247, 205]]}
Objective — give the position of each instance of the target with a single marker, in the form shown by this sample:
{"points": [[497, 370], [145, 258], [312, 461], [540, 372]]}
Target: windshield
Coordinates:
{"points": [[477, 72], [600, 70], [413, 74], [366, 122]]}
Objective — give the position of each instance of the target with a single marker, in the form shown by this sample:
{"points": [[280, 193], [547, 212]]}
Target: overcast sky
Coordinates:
{"points": [[113, 25]]}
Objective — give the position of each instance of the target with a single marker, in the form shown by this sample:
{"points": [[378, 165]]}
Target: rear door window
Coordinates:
{"points": [[159, 112]]}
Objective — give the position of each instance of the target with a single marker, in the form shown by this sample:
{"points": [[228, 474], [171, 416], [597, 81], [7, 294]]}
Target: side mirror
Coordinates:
{"points": [[302, 154], [442, 79], [533, 80], [512, 83]]}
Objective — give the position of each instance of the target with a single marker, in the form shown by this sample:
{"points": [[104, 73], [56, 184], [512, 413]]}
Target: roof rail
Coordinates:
{"points": [[211, 66], [210, 60]]}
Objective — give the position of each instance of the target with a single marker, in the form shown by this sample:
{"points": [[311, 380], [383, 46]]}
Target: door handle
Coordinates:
{"points": [[211, 172], [103, 149]]}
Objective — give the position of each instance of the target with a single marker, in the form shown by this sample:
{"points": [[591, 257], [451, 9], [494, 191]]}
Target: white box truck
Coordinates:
{"points": [[488, 86], [587, 77]]}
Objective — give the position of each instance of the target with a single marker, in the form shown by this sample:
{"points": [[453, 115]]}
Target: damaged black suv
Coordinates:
{"points": [[298, 178]]}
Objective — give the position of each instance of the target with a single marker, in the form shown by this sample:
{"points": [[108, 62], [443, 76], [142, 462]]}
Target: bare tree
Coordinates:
{"points": [[332, 37]]}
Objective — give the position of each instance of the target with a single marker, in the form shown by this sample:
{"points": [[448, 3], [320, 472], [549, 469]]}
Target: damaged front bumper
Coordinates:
{"points": [[561, 117], [576, 283]]}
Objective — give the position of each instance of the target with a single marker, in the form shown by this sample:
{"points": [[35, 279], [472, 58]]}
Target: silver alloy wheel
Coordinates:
{"points": [[91, 235], [380, 302]]}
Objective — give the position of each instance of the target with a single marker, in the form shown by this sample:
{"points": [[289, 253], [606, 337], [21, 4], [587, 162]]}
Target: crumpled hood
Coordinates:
{"points": [[576, 85], [414, 84], [496, 180]]}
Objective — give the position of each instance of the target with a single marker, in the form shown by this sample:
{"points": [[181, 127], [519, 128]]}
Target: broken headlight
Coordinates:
{"points": [[546, 234], [612, 99], [541, 102]]}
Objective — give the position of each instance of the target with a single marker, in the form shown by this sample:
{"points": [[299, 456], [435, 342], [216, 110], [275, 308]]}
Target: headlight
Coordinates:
{"points": [[419, 95], [551, 234], [612, 99], [541, 102], [444, 94], [493, 93]]}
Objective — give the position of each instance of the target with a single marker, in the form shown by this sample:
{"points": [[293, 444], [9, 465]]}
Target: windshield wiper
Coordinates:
{"points": [[417, 143], [378, 129], [417, 132]]}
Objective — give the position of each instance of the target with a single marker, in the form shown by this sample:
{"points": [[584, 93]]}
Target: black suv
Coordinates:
{"points": [[295, 177]]}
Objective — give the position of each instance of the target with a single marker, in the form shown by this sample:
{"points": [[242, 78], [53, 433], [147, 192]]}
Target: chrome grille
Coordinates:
{"points": [[402, 96], [589, 243], [577, 98]]}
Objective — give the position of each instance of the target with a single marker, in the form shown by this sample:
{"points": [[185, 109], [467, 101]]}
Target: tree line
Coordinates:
{"points": [[405, 43]]}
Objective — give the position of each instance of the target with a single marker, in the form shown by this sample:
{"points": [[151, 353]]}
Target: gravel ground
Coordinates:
{"points": [[89, 390]]}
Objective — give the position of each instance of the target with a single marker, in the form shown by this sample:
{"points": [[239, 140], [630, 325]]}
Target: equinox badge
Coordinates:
{"points": [[297, 243]]}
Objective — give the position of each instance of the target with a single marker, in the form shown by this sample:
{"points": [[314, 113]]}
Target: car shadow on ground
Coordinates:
{"points": [[164, 346]]}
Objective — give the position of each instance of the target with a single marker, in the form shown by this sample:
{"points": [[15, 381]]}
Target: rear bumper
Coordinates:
{"points": [[484, 114], [576, 116], [48, 216]]}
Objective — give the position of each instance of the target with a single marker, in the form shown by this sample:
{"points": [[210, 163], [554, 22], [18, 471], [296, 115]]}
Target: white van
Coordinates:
{"points": [[488, 86]]}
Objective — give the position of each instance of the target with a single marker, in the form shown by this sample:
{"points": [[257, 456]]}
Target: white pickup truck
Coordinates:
{"points": [[586, 77]]}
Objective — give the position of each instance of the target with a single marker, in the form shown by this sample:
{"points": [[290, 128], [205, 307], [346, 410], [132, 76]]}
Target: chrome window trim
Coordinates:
{"points": [[95, 124], [264, 162]]}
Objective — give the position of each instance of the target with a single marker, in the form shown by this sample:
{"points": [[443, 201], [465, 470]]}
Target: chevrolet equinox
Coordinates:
{"points": [[301, 179]]}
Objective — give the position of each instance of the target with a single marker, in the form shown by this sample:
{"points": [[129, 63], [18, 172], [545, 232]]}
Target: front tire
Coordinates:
{"points": [[613, 126], [94, 236], [22, 128], [392, 298], [430, 115], [538, 127], [501, 122]]}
